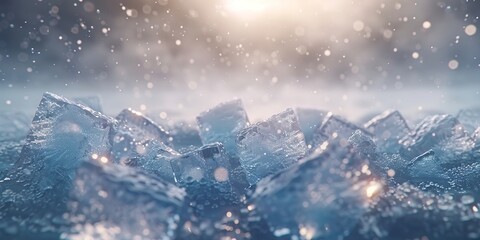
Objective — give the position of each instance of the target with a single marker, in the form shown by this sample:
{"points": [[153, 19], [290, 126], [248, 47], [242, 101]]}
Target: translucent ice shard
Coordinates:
{"points": [[470, 119], [309, 120], [115, 202], [138, 142], [267, 147], [222, 123], [62, 135], [92, 102], [335, 128], [434, 131], [208, 165], [151, 156], [321, 198], [388, 128], [142, 127]]}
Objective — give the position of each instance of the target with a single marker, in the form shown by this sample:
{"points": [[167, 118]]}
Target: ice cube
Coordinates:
{"points": [[469, 118], [388, 128], [142, 127], [222, 124], [309, 120], [334, 128], [92, 102], [115, 202], [208, 164], [321, 198], [433, 131], [151, 156], [62, 135], [207, 176], [267, 147], [139, 142]]}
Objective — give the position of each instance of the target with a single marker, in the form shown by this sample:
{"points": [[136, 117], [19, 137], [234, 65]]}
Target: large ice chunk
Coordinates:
{"points": [[334, 128], [469, 118], [388, 128], [322, 198], [139, 142], [309, 120], [62, 135], [222, 123], [267, 147], [437, 132], [116, 202]]}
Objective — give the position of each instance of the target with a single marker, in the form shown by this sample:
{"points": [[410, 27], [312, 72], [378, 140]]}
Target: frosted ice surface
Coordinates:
{"points": [[309, 120], [9, 153], [116, 202], [335, 128], [14, 127], [62, 135], [470, 119], [138, 142], [321, 198], [388, 128], [434, 131], [426, 169], [92, 102], [406, 212], [222, 124], [267, 147]]}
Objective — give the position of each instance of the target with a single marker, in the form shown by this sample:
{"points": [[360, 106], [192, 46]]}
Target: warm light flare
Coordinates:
{"points": [[373, 188]]}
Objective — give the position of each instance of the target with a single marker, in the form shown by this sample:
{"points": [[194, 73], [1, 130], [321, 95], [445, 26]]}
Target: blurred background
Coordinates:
{"points": [[351, 57]]}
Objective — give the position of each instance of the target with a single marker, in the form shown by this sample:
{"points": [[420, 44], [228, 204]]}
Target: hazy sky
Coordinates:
{"points": [[147, 48]]}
